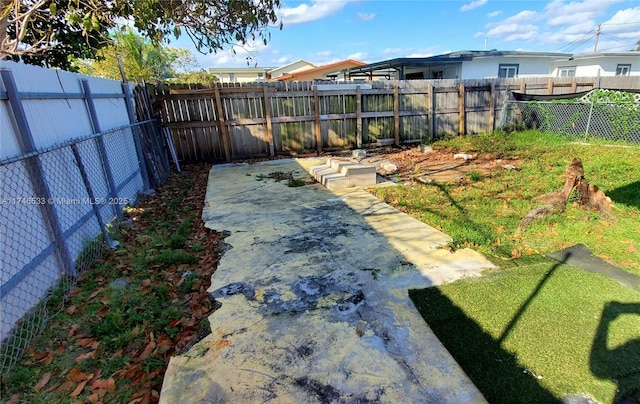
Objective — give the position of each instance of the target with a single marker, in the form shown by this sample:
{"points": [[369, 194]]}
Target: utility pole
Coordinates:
{"points": [[595, 46]]}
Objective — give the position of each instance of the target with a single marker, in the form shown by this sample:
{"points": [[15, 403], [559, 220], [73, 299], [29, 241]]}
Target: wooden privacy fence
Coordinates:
{"points": [[224, 123]]}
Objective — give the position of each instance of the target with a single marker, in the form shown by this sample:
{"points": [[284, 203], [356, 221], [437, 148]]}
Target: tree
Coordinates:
{"points": [[48, 31], [141, 59]]}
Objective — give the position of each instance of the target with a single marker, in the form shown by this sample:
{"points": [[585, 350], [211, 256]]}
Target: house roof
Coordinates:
{"points": [[593, 55], [239, 69], [323, 70], [453, 57], [292, 64]]}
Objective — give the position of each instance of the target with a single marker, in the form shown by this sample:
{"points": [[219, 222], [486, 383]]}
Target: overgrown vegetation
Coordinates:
{"points": [[139, 305], [483, 214], [540, 331]]}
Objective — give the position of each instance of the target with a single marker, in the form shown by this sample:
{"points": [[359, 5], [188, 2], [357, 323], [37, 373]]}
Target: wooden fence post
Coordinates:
{"points": [[431, 104], [316, 119], [550, 86], [358, 117], [492, 106], [223, 130], [267, 117], [523, 86], [396, 115], [462, 108], [574, 84]]}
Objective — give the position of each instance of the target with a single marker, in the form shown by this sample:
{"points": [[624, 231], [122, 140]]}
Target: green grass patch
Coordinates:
{"points": [[537, 332], [483, 214]]}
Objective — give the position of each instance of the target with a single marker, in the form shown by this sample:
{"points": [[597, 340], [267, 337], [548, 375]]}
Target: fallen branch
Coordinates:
{"points": [[555, 202]]}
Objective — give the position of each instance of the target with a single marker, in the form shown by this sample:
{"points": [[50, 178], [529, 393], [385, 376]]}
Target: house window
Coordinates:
{"points": [[260, 76], [232, 77], [567, 71], [437, 74], [623, 70], [508, 70]]}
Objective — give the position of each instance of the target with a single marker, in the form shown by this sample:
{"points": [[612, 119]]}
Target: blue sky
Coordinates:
{"points": [[326, 31]]}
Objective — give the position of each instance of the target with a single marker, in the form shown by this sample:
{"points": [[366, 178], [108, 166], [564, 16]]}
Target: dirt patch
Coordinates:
{"points": [[437, 165]]}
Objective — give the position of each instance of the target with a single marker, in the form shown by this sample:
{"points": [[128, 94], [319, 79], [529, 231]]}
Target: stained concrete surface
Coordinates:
{"points": [[314, 302]]}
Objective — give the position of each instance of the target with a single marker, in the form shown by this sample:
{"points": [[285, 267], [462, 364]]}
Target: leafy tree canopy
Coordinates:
{"points": [[141, 59], [52, 32]]}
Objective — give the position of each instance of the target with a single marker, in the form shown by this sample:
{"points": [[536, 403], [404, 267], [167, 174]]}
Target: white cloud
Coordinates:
{"points": [[391, 51], [494, 13], [419, 55], [358, 56], [513, 31], [365, 16], [306, 12], [559, 12], [473, 4]]}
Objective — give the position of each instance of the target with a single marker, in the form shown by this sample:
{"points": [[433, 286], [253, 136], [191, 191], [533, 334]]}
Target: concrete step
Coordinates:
{"points": [[341, 173]]}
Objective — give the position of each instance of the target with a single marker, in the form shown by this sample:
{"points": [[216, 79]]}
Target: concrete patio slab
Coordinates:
{"points": [[314, 299]]}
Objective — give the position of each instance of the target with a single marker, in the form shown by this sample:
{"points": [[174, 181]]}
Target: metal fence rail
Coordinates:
{"points": [[58, 208], [610, 121]]}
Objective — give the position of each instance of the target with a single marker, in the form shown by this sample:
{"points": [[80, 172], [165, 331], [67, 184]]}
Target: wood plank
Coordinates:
{"points": [[550, 86], [492, 107], [267, 117], [431, 107], [316, 116], [396, 115], [223, 128], [462, 97], [358, 118]]}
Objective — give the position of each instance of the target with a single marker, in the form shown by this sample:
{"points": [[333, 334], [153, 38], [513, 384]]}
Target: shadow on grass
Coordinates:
{"points": [[628, 195], [622, 363], [493, 370]]}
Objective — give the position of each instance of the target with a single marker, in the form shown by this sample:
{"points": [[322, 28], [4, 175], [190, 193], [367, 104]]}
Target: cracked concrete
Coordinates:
{"points": [[314, 303]]}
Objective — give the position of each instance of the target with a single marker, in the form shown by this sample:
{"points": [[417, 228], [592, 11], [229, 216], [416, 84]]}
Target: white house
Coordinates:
{"points": [[594, 64], [240, 74], [294, 67], [463, 65]]}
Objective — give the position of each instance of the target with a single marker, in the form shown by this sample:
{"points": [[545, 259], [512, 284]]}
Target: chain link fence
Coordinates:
{"points": [[581, 118], [59, 209]]}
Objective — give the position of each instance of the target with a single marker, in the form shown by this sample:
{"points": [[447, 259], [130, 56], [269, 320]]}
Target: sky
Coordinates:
{"points": [[327, 31]]}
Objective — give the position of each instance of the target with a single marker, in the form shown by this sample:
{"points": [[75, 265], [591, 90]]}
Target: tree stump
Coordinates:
{"points": [[555, 202]]}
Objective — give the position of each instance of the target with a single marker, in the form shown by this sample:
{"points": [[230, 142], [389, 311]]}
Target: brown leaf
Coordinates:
{"points": [[516, 253], [78, 390], [103, 311], [52, 388], [59, 349], [147, 351], [94, 294], [71, 310], [14, 399], [94, 398], [66, 386], [105, 299], [86, 355], [76, 375], [631, 249], [43, 381], [146, 282], [85, 342], [72, 330]]}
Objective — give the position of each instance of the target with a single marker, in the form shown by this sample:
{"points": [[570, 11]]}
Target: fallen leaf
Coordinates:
{"points": [[87, 355], [105, 299], [43, 381], [516, 253], [52, 388], [78, 390], [147, 351], [103, 311], [85, 342], [71, 310], [66, 386], [14, 399], [76, 375], [631, 249]]}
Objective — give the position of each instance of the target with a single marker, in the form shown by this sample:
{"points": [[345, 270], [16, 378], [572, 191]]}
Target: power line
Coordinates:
{"points": [[574, 44]]}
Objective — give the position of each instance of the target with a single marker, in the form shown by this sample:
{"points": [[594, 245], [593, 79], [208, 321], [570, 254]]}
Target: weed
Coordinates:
{"points": [[475, 176], [295, 183], [172, 257]]}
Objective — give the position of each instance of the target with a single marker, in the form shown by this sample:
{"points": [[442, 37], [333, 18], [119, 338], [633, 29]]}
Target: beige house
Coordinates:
{"points": [[240, 74], [333, 71], [294, 67]]}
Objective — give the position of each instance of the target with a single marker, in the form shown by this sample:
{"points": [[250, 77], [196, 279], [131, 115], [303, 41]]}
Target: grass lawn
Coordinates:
{"points": [[537, 332], [483, 213]]}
